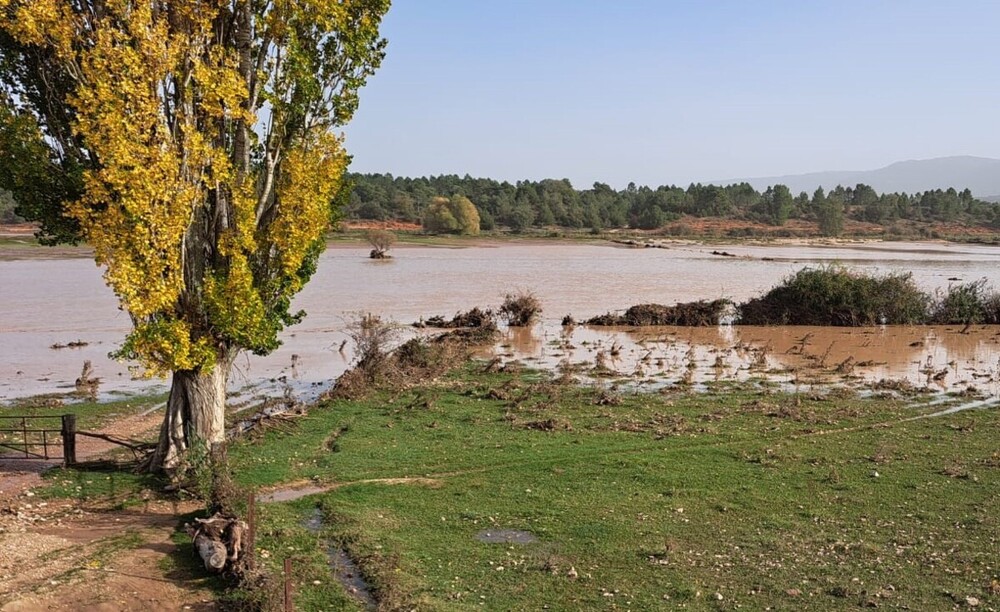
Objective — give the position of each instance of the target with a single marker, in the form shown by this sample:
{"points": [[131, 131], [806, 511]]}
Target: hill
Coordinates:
{"points": [[981, 175]]}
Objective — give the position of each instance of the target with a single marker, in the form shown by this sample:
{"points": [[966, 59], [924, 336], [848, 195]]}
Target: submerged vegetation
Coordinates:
{"points": [[692, 314], [520, 309], [829, 296], [838, 296]]}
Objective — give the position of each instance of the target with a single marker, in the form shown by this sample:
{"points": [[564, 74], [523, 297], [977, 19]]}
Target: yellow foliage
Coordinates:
{"points": [[162, 345], [311, 178], [204, 251]]}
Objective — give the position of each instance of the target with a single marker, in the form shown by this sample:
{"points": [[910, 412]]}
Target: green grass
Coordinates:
{"points": [[762, 498], [90, 415], [124, 488]]}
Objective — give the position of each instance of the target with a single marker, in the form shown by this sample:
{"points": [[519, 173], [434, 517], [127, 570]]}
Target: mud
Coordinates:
{"points": [[51, 559], [344, 569]]}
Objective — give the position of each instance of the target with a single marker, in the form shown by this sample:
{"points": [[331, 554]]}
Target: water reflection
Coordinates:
{"points": [[939, 357], [57, 301]]}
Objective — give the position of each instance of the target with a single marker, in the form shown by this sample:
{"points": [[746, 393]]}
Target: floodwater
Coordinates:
{"points": [[59, 301]]}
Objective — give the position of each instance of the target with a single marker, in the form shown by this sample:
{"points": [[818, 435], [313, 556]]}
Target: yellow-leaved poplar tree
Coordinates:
{"points": [[191, 143]]}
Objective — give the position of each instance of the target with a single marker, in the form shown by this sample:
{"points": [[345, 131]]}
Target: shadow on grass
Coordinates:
{"points": [[116, 482]]}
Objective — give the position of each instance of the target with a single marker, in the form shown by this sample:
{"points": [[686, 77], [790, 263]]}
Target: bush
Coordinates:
{"points": [[837, 296], [966, 304], [521, 309], [691, 314], [372, 338], [381, 241]]}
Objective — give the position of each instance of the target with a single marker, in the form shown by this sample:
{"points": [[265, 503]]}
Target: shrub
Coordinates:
{"points": [[691, 314], [521, 309], [838, 296], [965, 304], [381, 241], [372, 340]]}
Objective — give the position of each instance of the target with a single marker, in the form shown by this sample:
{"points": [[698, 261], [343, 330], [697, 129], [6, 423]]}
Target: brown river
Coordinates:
{"points": [[57, 301]]}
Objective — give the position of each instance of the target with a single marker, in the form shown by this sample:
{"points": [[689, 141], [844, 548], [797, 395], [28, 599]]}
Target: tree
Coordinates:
{"points": [[190, 143], [777, 204], [465, 214], [452, 215], [438, 217], [381, 241], [829, 213], [8, 206]]}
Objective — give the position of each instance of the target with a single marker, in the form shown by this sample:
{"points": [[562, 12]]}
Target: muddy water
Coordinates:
{"points": [[58, 301]]}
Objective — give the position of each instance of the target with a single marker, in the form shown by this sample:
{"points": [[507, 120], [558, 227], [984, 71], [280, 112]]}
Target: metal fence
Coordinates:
{"points": [[39, 437]]}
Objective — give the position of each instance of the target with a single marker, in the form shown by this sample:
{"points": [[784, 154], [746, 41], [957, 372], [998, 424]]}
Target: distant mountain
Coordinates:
{"points": [[981, 175]]}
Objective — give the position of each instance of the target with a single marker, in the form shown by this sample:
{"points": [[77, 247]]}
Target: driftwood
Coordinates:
{"points": [[474, 318], [218, 540], [87, 383], [690, 314], [139, 449]]}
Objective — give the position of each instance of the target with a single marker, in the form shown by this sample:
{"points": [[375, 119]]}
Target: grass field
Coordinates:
{"points": [[718, 501]]}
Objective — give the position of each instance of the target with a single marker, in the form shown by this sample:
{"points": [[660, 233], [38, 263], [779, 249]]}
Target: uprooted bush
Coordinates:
{"points": [[837, 296], [372, 339], [415, 360], [475, 318], [691, 314], [520, 309]]}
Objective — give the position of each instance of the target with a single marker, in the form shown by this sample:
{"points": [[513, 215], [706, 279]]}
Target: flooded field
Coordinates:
{"points": [[56, 313]]}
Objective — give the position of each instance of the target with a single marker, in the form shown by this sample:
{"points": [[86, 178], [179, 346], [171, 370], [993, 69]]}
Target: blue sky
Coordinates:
{"points": [[661, 92]]}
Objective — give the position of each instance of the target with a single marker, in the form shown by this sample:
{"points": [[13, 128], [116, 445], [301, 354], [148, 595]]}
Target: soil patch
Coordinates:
{"points": [[60, 556]]}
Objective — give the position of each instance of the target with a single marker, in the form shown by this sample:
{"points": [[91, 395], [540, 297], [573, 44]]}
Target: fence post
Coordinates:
{"points": [[252, 529], [288, 585], [69, 439]]}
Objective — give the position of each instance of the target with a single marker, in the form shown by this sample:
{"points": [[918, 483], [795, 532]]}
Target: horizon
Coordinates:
{"points": [[676, 94], [719, 182]]}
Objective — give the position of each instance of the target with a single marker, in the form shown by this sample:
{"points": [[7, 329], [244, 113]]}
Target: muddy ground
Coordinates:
{"points": [[65, 556], [79, 555]]}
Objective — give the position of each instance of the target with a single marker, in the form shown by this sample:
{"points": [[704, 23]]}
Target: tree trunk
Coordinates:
{"points": [[195, 416]]}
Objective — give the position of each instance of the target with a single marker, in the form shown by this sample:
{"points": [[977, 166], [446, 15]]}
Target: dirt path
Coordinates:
{"points": [[64, 555], [19, 475]]}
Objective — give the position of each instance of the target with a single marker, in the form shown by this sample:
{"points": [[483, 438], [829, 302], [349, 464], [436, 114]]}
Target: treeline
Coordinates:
{"points": [[551, 202]]}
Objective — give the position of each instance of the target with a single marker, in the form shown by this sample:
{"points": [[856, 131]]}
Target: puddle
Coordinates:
{"points": [[975, 405], [506, 536], [344, 569], [285, 495]]}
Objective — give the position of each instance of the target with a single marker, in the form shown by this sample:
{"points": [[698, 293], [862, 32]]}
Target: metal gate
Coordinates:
{"points": [[39, 437]]}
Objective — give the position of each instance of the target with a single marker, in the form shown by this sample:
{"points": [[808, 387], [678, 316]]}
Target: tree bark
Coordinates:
{"points": [[195, 415]]}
